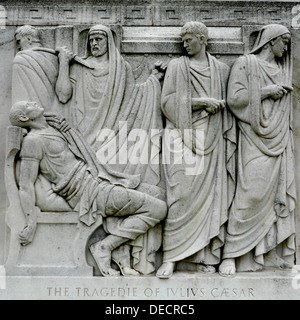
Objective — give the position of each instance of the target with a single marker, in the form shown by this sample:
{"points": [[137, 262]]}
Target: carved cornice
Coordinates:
{"points": [[148, 13]]}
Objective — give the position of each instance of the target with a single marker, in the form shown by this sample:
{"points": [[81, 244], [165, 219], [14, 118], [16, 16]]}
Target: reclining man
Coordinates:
{"points": [[59, 153]]}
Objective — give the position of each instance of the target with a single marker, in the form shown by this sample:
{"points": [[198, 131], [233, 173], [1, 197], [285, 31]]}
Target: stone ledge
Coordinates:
{"points": [[266, 285]]}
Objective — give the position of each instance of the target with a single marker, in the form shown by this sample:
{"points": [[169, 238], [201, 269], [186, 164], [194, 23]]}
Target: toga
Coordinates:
{"points": [[34, 77], [198, 197], [110, 99], [262, 215]]}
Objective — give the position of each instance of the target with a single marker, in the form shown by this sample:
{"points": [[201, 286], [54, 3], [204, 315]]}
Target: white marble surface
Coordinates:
{"points": [[266, 285]]}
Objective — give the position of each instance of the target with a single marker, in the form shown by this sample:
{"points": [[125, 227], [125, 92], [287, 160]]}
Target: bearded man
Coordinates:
{"points": [[102, 96]]}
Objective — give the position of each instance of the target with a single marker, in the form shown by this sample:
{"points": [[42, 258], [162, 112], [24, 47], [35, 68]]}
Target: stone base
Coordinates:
{"points": [[266, 285]]}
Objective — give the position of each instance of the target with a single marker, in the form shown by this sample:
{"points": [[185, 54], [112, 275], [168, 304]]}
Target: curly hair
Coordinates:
{"points": [[194, 27], [28, 30]]}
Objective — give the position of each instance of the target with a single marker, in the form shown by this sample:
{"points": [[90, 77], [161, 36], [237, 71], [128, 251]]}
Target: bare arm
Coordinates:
{"points": [[64, 88], [31, 154], [28, 175]]}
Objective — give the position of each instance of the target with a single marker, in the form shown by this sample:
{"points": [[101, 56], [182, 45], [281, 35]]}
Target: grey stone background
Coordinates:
{"points": [[147, 30]]}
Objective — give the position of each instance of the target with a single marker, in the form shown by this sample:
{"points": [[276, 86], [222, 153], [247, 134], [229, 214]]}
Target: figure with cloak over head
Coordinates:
{"points": [[120, 119], [261, 226]]}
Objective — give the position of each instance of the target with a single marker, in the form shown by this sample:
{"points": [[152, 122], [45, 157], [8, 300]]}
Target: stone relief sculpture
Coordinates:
{"points": [[102, 96], [261, 227], [230, 190], [34, 69], [63, 157], [103, 93], [194, 101], [101, 87]]}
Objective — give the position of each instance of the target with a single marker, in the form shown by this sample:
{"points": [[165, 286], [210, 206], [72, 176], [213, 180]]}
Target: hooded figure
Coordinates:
{"points": [[111, 111], [262, 217]]}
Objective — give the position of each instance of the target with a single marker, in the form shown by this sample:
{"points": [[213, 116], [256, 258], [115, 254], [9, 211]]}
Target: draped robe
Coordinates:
{"points": [[34, 77], [262, 215], [198, 198], [110, 99]]}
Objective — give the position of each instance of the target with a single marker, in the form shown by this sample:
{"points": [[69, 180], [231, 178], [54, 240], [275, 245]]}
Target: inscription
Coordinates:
{"points": [[134, 292]]}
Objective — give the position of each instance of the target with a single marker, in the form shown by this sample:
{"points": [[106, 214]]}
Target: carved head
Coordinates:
{"points": [[273, 37], [194, 36], [27, 37], [280, 45], [97, 41], [23, 113]]}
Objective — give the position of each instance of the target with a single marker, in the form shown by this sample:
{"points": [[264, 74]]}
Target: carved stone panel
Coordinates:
{"points": [[150, 140]]}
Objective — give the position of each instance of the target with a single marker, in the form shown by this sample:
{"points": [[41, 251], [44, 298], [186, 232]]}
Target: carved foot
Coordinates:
{"points": [[166, 270], [102, 256], [206, 268], [128, 272], [121, 257], [227, 268], [272, 259]]}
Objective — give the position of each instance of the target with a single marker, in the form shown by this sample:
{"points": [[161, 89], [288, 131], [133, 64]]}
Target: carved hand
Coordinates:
{"points": [[214, 105], [65, 55], [275, 91], [159, 70], [57, 122], [211, 105], [27, 234]]}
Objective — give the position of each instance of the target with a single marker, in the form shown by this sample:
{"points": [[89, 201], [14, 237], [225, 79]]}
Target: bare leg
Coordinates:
{"points": [[227, 268], [166, 270]]}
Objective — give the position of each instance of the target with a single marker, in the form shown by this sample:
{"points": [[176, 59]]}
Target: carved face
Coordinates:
{"points": [[33, 110], [98, 44], [192, 43], [23, 42], [280, 45]]}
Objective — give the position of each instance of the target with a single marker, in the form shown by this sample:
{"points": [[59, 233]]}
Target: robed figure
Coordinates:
{"points": [[261, 227], [35, 70], [120, 119], [198, 155]]}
